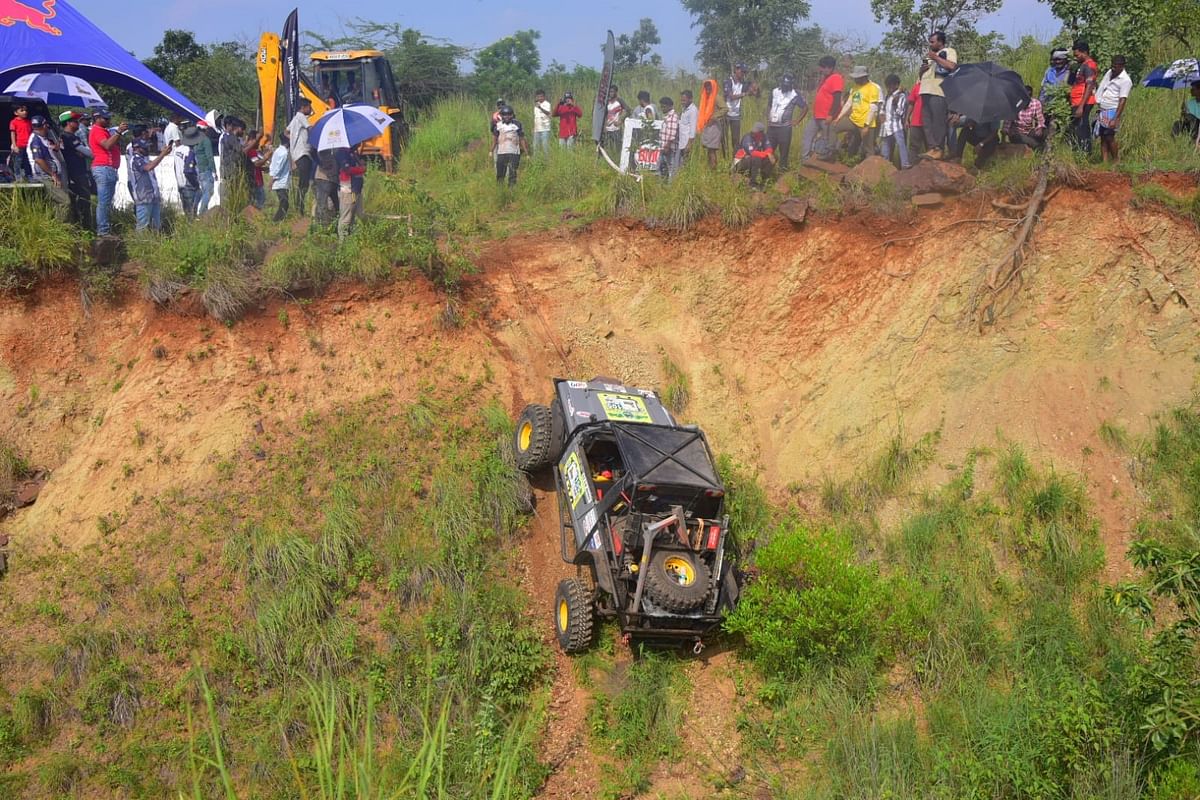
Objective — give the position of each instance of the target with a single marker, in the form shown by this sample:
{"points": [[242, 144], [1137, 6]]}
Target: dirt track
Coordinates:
{"points": [[806, 351]]}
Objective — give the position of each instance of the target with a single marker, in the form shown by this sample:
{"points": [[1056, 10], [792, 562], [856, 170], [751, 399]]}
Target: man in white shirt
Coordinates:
{"points": [[171, 133], [541, 122], [687, 122], [280, 170], [782, 118], [1110, 99], [300, 150]]}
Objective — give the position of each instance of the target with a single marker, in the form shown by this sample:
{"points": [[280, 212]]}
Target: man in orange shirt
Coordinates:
{"points": [[825, 106], [1083, 96]]}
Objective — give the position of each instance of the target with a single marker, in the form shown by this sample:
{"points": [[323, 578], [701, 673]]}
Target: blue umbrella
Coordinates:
{"points": [[347, 126], [57, 89], [1179, 75]]}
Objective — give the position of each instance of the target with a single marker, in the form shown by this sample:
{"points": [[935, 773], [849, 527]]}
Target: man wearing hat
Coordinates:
{"points": [[105, 145], [782, 117], [196, 140], [300, 150], [43, 164], [75, 155], [143, 184], [859, 113], [568, 120], [736, 87]]}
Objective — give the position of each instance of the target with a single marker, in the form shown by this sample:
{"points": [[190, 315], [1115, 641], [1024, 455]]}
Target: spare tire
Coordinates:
{"points": [[677, 580], [533, 439]]}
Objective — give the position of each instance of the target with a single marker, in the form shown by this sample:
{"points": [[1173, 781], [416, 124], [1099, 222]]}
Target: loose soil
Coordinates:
{"points": [[806, 350]]}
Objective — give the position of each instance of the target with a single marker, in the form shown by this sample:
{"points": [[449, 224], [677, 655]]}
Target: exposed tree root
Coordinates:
{"points": [[1004, 277]]}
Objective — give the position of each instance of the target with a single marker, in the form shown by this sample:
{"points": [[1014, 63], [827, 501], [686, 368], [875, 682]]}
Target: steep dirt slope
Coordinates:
{"points": [[806, 349]]}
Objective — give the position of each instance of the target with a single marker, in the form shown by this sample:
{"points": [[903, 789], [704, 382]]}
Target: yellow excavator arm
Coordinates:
{"points": [[270, 75]]}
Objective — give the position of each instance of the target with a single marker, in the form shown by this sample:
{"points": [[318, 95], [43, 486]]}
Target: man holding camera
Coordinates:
{"points": [[568, 120], [939, 62], [105, 145]]}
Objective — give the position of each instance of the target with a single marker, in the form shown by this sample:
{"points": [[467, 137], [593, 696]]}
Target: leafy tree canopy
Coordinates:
{"points": [[759, 32], [911, 22], [1114, 27], [508, 67], [635, 49]]}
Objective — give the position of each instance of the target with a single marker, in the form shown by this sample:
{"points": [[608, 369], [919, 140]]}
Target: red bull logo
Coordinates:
{"points": [[12, 12]]}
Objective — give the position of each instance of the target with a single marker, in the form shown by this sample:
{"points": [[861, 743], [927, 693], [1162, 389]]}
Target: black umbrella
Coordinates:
{"points": [[985, 92]]}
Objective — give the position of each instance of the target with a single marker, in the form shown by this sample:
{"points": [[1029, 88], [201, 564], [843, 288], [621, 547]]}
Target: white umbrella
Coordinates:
{"points": [[57, 89], [347, 126]]}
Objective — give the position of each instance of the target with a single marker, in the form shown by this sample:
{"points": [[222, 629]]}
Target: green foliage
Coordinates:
{"points": [[912, 22], [14, 467], [812, 604], [637, 719], [508, 68], [757, 33], [34, 240], [1110, 27], [635, 49], [678, 388]]}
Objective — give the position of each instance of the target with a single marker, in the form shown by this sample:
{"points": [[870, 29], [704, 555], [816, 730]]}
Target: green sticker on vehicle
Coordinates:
{"points": [[624, 408], [575, 480]]}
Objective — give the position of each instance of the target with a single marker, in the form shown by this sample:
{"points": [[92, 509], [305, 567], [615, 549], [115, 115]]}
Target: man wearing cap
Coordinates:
{"points": [[143, 184], [568, 120], [785, 100], [859, 114], [171, 133], [939, 62], [200, 154], [755, 156], [75, 155], [736, 87], [43, 166], [106, 159], [300, 150], [1057, 74]]}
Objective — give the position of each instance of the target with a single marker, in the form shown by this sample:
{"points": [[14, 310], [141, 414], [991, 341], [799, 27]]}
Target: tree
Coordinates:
{"points": [[1112, 27], [634, 49], [757, 32], [177, 49], [509, 66], [912, 21]]}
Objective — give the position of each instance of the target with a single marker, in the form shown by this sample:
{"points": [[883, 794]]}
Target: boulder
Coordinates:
{"points": [[794, 209], [927, 200], [928, 175], [816, 175], [871, 171]]}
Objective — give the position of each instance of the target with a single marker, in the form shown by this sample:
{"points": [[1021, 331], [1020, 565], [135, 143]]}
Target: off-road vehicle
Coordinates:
{"points": [[641, 512]]}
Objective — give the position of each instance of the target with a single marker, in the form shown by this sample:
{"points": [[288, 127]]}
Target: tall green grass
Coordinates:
{"points": [[34, 240]]}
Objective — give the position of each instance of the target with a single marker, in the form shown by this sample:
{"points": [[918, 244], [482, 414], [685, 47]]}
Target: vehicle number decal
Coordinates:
{"points": [[577, 384], [589, 522], [576, 481], [624, 408]]}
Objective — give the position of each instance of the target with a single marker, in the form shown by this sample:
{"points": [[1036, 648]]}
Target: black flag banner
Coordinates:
{"points": [[601, 107], [291, 63]]}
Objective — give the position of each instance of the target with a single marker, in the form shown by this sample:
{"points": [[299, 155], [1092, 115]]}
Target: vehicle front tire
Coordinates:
{"points": [[574, 617], [533, 439]]}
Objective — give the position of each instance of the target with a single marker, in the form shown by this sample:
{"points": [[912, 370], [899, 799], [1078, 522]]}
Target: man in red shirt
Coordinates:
{"points": [[1083, 95], [825, 105], [568, 120], [916, 131], [106, 159], [19, 132]]}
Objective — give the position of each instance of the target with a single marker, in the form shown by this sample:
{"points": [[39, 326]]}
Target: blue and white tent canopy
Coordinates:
{"points": [[51, 36], [347, 126], [1178, 75], [57, 90]]}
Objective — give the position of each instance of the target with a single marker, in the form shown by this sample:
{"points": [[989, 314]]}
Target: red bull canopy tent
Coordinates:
{"points": [[51, 36]]}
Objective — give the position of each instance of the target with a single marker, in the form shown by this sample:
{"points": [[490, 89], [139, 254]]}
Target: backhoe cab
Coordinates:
{"points": [[362, 76]]}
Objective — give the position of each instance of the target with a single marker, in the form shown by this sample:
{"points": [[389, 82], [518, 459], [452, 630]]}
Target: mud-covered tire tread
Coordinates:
{"points": [[581, 617], [540, 453], [666, 593], [558, 431]]}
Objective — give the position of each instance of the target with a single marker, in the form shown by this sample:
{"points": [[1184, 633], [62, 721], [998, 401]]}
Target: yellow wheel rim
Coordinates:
{"points": [[562, 615], [525, 436], [680, 570]]}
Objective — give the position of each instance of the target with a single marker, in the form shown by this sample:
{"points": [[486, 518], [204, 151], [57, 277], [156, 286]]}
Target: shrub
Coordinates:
{"points": [[14, 467], [811, 603], [35, 240]]}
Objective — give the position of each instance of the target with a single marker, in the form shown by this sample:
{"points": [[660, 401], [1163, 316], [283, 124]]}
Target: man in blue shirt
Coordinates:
{"points": [[143, 185]]}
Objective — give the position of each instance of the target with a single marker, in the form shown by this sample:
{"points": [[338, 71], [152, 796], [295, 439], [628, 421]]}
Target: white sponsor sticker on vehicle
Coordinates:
{"points": [[577, 384]]}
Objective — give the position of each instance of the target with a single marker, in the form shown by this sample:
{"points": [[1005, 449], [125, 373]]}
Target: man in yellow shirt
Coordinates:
{"points": [[859, 114]]}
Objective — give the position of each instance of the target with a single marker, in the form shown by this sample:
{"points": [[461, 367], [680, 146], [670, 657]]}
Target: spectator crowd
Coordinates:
{"points": [[846, 118]]}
